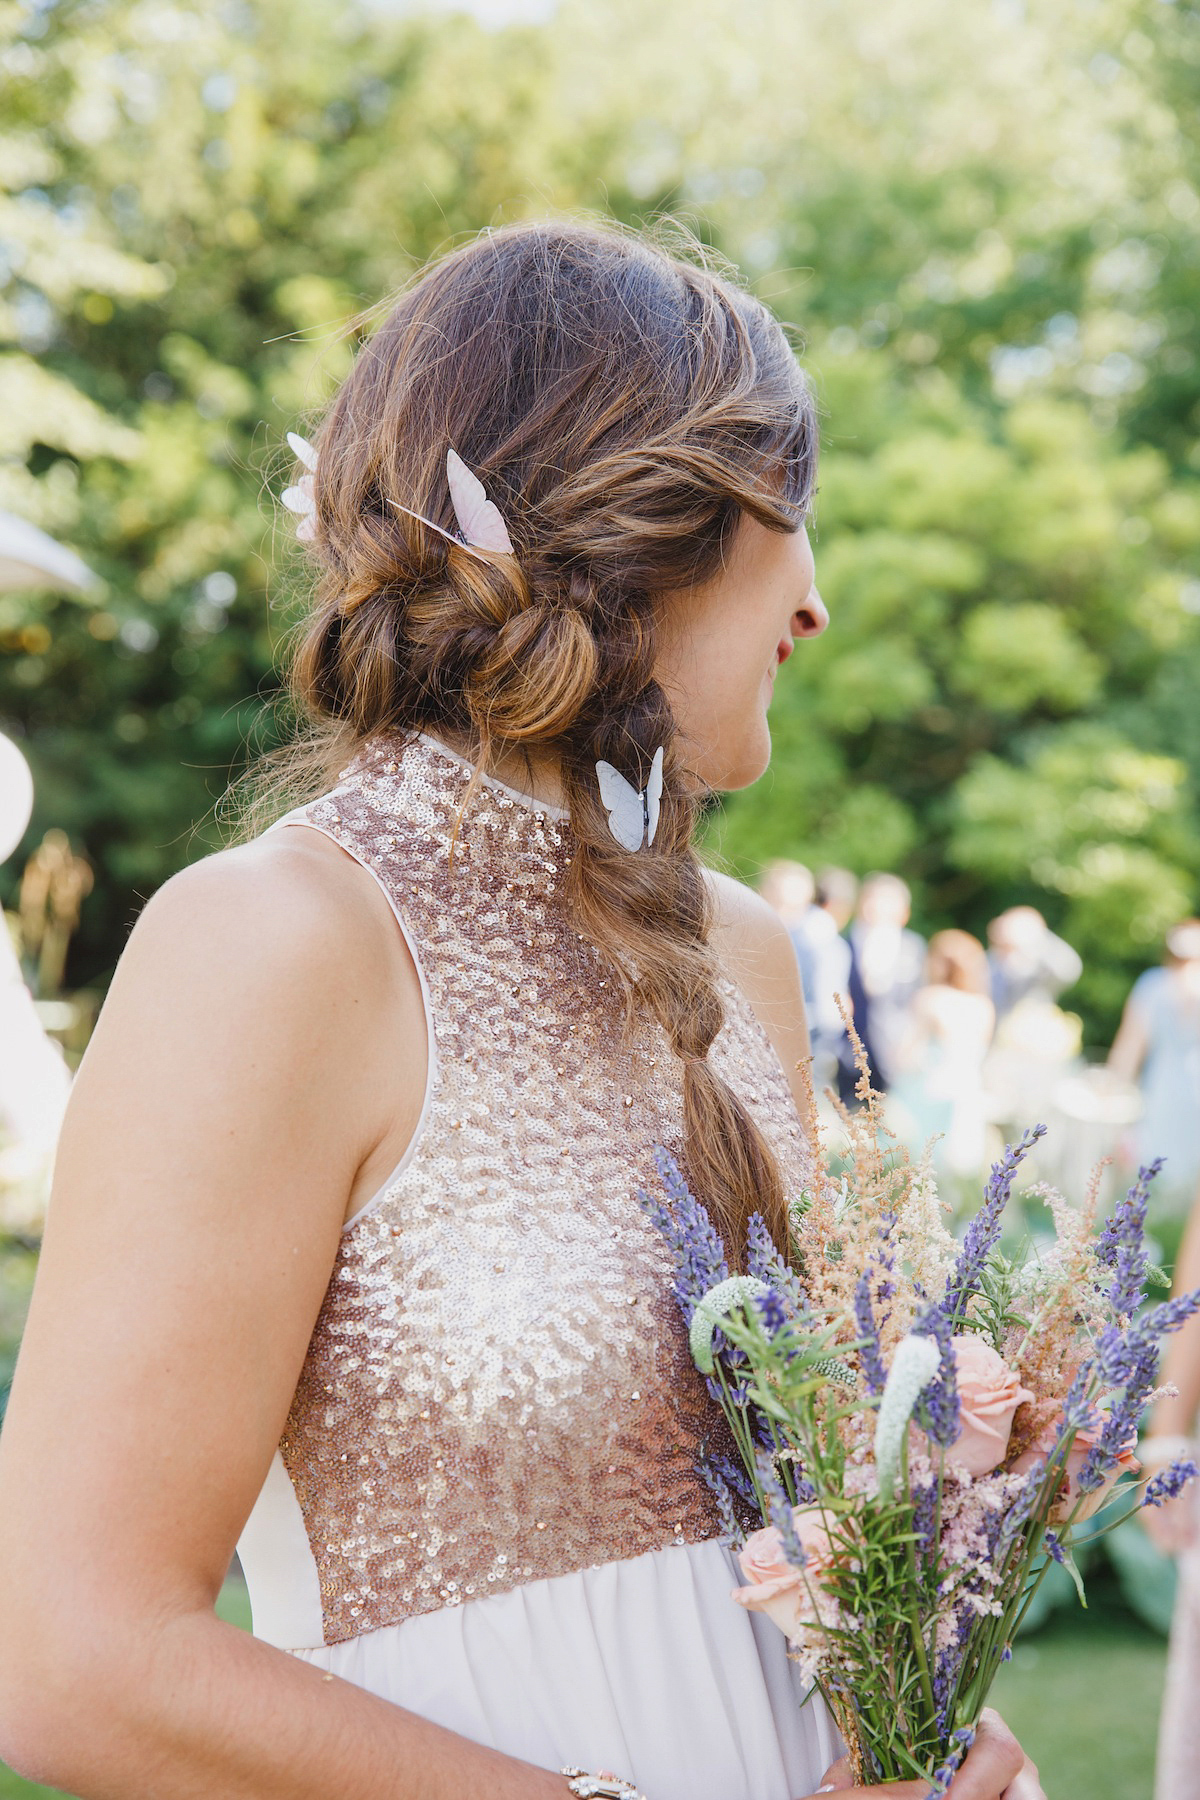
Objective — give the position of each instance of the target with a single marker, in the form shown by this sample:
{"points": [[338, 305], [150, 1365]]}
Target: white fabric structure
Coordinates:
{"points": [[646, 1667], [30, 559], [34, 1078]]}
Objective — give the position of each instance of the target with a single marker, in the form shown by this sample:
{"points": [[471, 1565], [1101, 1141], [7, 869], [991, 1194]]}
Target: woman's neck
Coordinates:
{"points": [[526, 771]]}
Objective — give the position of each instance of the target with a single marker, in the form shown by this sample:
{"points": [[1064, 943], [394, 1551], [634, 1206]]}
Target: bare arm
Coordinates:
{"points": [[1129, 1047], [1176, 1414], [220, 1123], [1173, 1525]]}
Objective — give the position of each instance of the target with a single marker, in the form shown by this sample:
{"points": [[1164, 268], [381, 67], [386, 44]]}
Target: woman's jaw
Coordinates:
{"points": [[721, 645]]}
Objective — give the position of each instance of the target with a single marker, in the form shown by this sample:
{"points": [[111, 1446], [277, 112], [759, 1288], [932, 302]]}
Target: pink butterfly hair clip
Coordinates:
{"points": [[480, 526]]}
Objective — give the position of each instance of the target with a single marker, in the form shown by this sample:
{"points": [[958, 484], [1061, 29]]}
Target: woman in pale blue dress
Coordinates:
{"points": [[1159, 1042]]}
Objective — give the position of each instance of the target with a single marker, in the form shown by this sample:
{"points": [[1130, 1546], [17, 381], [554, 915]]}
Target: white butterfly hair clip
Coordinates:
{"points": [[300, 499], [632, 813], [480, 526]]}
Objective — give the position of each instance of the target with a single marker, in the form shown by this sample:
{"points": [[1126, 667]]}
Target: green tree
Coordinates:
{"points": [[979, 218]]}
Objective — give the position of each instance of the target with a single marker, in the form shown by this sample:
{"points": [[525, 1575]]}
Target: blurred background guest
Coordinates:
{"points": [[816, 914], [937, 1086], [828, 917], [887, 962], [789, 888], [1158, 1044], [1038, 1045], [1173, 1528], [1027, 960]]}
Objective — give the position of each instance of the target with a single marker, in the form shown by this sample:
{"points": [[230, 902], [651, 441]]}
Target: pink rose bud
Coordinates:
{"points": [[989, 1395], [1126, 1464], [773, 1586]]}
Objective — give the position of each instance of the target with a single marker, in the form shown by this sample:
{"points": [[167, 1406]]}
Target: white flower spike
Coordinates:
{"points": [[299, 499], [916, 1361], [714, 1306]]}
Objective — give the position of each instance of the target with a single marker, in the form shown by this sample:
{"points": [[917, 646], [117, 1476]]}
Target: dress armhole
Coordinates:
{"points": [[296, 817]]}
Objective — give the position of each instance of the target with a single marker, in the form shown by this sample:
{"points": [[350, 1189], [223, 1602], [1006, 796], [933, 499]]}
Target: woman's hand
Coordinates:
{"points": [[1171, 1526], [996, 1768]]}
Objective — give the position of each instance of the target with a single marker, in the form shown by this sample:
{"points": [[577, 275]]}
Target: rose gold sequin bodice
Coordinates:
{"points": [[498, 1387]]}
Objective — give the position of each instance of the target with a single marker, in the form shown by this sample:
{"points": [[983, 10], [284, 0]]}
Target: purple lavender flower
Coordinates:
{"points": [[1104, 1457], [1170, 1482], [771, 1311], [715, 1473], [939, 1403], [885, 1256], [960, 1743], [1021, 1508], [1128, 1360], [690, 1235], [945, 1679], [984, 1230], [948, 1667], [734, 1476], [1053, 1547], [870, 1354], [779, 1509], [763, 1260], [924, 1516], [1121, 1246], [1077, 1414]]}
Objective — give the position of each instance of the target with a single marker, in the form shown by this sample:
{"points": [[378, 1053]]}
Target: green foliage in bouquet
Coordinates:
{"points": [[923, 1427]]}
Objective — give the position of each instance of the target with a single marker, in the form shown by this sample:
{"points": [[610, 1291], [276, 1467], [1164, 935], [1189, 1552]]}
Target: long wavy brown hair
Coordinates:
{"points": [[625, 406]]}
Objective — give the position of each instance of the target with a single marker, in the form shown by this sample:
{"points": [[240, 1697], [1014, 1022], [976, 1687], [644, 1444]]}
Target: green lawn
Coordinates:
{"points": [[1082, 1695]]}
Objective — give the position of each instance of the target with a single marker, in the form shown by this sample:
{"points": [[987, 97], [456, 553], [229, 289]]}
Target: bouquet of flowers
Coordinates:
{"points": [[918, 1425]]}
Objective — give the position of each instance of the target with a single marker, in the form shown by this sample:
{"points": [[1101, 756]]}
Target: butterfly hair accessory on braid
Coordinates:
{"points": [[632, 815], [480, 526]]}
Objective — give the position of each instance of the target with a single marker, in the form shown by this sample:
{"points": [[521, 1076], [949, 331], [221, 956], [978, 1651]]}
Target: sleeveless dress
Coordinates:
{"points": [[1170, 1079], [486, 1506]]}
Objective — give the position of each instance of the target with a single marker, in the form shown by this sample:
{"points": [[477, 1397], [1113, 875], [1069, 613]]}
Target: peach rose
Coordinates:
{"points": [[988, 1396], [773, 1586], [1126, 1464]]}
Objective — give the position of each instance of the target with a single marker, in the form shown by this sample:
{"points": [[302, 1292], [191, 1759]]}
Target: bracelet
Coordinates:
{"points": [[1155, 1452], [600, 1787]]}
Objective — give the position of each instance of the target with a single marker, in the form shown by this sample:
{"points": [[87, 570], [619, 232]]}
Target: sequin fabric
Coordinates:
{"points": [[498, 1387]]}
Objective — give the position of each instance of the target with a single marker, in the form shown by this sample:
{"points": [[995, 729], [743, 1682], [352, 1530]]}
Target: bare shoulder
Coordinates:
{"points": [[283, 890], [276, 968], [752, 941], [756, 952], [747, 922], [285, 921]]}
